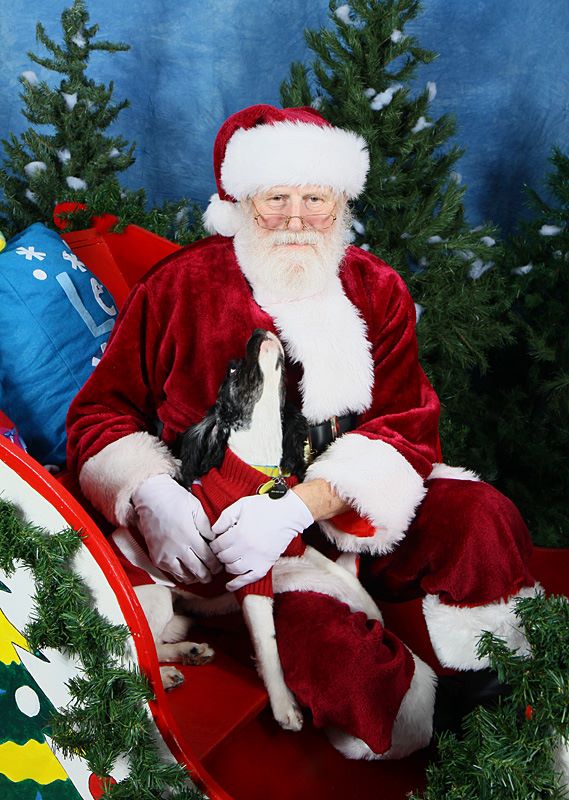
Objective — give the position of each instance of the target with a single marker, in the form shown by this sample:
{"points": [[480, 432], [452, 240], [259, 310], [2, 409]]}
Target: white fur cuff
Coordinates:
{"points": [[109, 478], [374, 478], [456, 630]]}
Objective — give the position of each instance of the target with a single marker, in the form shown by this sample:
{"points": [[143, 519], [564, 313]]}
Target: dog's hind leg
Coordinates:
{"points": [[258, 614], [167, 630]]}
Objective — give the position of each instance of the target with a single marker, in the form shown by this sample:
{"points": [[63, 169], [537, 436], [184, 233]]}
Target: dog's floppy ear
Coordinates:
{"points": [[295, 433], [202, 448]]}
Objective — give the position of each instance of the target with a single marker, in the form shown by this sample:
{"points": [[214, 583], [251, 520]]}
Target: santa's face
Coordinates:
{"points": [[292, 241]]}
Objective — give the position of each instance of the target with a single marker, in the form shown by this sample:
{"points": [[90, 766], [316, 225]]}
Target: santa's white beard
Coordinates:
{"points": [[281, 274]]}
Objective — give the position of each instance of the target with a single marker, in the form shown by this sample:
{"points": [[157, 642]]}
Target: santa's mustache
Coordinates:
{"points": [[294, 237]]}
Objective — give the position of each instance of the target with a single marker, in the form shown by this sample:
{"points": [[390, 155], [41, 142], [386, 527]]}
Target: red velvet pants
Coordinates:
{"points": [[468, 545]]}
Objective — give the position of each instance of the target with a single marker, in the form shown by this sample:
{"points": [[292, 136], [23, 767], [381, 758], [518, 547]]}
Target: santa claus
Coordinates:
{"points": [[280, 260]]}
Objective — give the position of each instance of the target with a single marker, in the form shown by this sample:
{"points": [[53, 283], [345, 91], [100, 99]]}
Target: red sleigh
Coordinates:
{"points": [[218, 724]]}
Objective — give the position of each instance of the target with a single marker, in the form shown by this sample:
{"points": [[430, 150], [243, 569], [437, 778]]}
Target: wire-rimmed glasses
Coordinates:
{"points": [[311, 221]]}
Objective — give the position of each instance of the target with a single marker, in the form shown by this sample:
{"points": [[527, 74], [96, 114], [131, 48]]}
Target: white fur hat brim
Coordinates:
{"points": [[285, 153], [294, 154]]}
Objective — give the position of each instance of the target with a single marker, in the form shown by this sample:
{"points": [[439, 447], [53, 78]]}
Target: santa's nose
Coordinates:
{"points": [[295, 224]]}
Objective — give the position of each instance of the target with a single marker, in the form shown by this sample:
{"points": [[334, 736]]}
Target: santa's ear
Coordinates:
{"points": [[202, 448], [295, 433]]}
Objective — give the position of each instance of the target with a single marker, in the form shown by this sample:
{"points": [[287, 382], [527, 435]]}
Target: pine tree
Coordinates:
{"points": [[29, 770], [75, 160], [527, 388], [411, 213], [511, 752]]}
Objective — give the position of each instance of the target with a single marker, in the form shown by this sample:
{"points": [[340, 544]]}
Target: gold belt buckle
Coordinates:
{"points": [[308, 452]]}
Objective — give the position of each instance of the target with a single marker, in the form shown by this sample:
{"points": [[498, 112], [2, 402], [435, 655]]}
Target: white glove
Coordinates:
{"points": [[254, 531], [173, 524]]}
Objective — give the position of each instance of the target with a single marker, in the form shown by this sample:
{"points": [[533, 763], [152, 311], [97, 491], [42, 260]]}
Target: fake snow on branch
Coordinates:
{"points": [[421, 125], [550, 230], [432, 90], [34, 168], [343, 14], [79, 39], [75, 183], [64, 155], [523, 270], [383, 99], [30, 77], [70, 100], [478, 268], [396, 36]]}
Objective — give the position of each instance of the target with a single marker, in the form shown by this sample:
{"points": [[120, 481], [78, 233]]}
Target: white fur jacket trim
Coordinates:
{"points": [[327, 335], [109, 478]]}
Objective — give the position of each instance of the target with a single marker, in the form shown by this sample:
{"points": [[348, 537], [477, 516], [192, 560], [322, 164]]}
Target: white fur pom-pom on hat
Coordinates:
{"points": [[222, 216], [263, 146]]}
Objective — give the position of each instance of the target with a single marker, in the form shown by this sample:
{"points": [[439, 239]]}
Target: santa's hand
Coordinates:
{"points": [[174, 525], [254, 531]]}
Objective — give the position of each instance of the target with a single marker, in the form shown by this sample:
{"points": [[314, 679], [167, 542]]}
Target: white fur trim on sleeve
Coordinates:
{"points": [[374, 478], [109, 478], [295, 154]]}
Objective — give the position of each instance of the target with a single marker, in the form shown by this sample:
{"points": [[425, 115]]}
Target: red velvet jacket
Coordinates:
{"points": [[168, 353]]}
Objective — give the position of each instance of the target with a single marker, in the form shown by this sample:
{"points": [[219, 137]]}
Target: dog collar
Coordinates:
{"points": [[271, 472]]}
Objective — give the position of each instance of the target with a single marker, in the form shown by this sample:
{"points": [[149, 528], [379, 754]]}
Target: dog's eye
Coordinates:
{"points": [[232, 370]]}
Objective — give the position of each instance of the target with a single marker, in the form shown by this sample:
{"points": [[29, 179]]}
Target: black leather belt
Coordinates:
{"points": [[323, 434]]}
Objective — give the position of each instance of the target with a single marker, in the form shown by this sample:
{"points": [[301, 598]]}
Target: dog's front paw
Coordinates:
{"points": [[197, 654], [171, 677], [287, 713]]}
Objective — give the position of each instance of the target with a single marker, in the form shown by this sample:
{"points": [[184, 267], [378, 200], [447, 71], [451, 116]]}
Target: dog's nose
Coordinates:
{"points": [[270, 344]]}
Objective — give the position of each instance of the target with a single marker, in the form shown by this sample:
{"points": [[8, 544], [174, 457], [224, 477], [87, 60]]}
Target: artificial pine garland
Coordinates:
{"points": [[107, 718], [509, 752]]}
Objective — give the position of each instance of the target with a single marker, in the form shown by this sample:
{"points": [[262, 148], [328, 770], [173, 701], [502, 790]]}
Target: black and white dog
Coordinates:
{"points": [[252, 419]]}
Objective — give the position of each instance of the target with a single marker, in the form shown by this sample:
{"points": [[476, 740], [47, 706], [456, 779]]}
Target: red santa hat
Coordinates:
{"points": [[264, 146]]}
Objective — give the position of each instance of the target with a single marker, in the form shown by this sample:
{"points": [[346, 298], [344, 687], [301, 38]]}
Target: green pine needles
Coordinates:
{"points": [[108, 717], [411, 213], [510, 752], [68, 155], [527, 390]]}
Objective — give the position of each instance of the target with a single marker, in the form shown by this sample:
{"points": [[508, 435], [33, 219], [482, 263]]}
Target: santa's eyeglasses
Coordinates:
{"points": [[311, 221]]}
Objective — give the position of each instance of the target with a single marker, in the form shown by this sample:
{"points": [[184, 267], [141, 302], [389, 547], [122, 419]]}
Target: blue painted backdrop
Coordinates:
{"points": [[502, 70]]}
